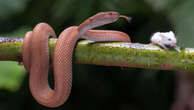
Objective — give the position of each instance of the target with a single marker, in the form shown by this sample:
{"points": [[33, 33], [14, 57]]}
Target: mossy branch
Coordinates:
{"points": [[112, 54]]}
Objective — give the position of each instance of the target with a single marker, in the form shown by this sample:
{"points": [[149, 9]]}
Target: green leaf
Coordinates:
{"points": [[11, 75]]}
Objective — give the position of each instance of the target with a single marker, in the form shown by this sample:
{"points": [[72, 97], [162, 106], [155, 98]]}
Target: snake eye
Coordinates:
{"points": [[169, 39]]}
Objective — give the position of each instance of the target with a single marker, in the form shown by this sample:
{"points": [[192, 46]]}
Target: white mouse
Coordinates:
{"points": [[165, 40]]}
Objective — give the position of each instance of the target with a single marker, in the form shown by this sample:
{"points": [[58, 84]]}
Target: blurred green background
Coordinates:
{"points": [[98, 87]]}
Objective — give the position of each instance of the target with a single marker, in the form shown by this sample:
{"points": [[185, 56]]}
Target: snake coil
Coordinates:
{"points": [[36, 55]]}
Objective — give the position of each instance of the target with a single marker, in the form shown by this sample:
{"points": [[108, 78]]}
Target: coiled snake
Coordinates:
{"points": [[36, 55]]}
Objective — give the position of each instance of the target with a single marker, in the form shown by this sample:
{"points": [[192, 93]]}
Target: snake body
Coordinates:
{"points": [[36, 55]]}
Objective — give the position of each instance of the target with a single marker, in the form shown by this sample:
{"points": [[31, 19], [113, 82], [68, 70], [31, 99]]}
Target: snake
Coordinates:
{"points": [[36, 60]]}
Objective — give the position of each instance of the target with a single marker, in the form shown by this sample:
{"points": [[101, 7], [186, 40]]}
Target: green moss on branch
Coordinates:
{"points": [[113, 54]]}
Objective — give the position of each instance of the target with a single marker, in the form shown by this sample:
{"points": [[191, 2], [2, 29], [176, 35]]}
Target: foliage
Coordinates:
{"points": [[11, 75]]}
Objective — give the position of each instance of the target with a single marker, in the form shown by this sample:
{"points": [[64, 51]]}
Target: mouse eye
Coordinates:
{"points": [[169, 39]]}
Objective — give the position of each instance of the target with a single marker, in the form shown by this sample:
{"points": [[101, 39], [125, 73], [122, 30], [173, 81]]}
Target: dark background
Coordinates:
{"points": [[98, 87]]}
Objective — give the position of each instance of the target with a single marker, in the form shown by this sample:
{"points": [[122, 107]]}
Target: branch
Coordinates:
{"points": [[112, 54]]}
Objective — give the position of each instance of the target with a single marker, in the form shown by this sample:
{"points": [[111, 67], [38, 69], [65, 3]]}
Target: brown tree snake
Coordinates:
{"points": [[35, 54]]}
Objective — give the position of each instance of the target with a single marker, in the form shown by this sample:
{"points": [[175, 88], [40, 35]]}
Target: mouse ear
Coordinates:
{"points": [[171, 33]]}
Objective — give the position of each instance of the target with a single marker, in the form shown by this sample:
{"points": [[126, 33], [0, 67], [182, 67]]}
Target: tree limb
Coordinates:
{"points": [[112, 54]]}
